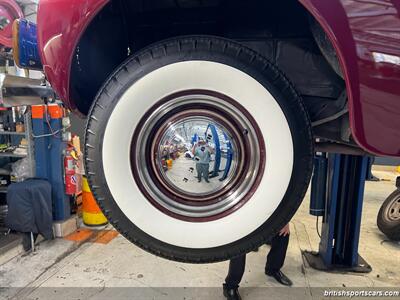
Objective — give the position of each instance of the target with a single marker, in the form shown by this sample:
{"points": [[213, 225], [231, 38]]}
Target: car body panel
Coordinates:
{"points": [[60, 25], [365, 34]]}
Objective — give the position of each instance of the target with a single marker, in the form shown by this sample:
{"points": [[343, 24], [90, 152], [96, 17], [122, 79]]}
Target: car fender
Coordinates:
{"points": [[364, 34], [60, 27], [366, 37]]}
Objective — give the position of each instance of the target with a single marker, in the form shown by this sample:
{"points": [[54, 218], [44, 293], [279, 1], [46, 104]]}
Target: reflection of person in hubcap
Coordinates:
{"points": [[202, 155]]}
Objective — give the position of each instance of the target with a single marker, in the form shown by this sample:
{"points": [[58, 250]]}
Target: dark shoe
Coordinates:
{"points": [[199, 180], [280, 277], [231, 294], [207, 181]]}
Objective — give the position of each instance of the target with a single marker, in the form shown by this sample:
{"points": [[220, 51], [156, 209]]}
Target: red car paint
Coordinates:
{"points": [[365, 34], [10, 10], [60, 26]]}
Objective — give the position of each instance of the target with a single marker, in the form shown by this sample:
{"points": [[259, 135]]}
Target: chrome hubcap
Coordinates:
{"points": [[192, 136]]}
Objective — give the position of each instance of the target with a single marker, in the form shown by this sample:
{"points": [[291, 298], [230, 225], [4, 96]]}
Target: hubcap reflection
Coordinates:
{"points": [[197, 156]]}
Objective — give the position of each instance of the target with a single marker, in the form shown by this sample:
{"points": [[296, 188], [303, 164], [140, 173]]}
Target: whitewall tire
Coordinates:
{"points": [[218, 79]]}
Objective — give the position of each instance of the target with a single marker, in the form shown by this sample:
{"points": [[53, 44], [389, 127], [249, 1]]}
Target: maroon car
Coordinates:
{"points": [[250, 88]]}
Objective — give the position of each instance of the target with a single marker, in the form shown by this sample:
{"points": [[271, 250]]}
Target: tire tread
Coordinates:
{"points": [[107, 95]]}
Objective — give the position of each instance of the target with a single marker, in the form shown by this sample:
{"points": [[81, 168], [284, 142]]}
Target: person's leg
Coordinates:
{"points": [[235, 273], [199, 171], [206, 171], [277, 254], [203, 173]]}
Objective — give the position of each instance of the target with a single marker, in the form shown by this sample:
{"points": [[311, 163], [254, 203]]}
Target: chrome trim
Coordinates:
{"points": [[21, 91], [232, 198]]}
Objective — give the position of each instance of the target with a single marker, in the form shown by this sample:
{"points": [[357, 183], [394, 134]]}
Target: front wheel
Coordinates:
{"points": [[198, 149]]}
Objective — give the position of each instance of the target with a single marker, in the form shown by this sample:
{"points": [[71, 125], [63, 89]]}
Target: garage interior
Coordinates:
{"points": [[83, 268], [74, 253]]}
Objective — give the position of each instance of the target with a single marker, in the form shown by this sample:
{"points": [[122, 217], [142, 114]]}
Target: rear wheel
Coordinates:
{"points": [[160, 103], [389, 216]]}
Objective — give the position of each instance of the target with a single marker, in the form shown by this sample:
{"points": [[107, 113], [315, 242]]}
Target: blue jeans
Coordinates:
{"points": [[202, 171]]}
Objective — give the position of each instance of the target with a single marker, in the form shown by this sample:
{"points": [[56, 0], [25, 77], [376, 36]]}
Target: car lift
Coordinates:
{"points": [[46, 127], [229, 158], [214, 136], [218, 153], [337, 192]]}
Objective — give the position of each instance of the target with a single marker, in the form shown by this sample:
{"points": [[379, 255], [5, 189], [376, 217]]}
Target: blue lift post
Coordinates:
{"points": [[49, 151], [195, 139], [229, 158], [217, 163], [337, 192]]}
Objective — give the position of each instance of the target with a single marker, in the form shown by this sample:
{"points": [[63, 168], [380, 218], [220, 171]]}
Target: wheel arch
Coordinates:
{"points": [[368, 80], [343, 43], [60, 70], [60, 27]]}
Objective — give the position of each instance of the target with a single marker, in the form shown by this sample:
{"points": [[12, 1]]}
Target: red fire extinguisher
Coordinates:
{"points": [[70, 178]]}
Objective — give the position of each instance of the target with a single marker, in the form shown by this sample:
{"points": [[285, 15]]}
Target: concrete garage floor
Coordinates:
{"points": [[65, 269], [182, 166]]}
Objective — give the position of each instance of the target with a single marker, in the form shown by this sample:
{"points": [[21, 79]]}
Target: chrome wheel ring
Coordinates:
{"points": [[198, 106]]}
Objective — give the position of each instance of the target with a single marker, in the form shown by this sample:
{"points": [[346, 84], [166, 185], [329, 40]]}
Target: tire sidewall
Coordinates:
{"points": [[258, 68]]}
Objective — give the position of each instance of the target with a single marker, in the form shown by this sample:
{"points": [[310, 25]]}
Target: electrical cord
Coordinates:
{"points": [[47, 120], [46, 135], [53, 133], [317, 226]]}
